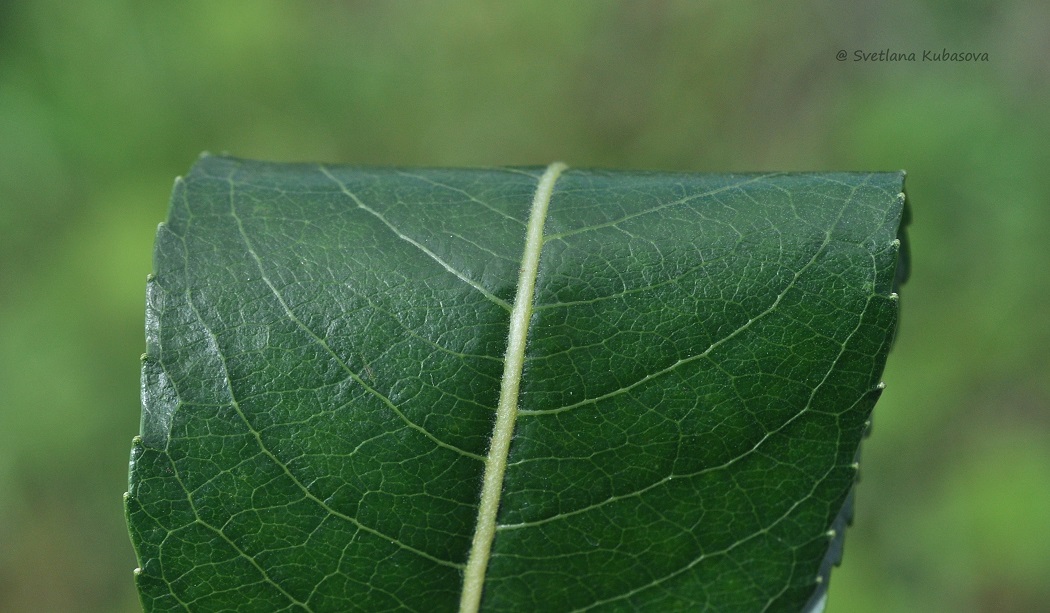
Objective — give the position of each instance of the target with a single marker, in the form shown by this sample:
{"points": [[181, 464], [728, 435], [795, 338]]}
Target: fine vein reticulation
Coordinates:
{"points": [[329, 348], [507, 409]]}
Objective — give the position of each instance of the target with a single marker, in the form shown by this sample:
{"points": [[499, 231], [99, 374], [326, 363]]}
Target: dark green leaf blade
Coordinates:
{"points": [[325, 353]]}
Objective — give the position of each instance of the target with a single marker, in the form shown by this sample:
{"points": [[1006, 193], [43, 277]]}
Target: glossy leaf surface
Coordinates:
{"points": [[326, 353]]}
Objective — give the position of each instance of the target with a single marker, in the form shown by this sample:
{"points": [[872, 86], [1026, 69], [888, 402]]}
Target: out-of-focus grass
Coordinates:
{"points": [[102, 104]]}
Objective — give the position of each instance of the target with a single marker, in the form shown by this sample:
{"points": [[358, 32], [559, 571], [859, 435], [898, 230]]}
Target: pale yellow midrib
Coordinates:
{"points": [[507, 409]]}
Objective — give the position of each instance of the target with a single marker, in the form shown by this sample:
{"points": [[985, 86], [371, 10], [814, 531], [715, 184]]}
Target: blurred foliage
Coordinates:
{"points": [[103, 104]]}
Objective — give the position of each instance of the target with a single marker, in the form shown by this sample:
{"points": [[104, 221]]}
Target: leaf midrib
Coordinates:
{"points": [[507, 408]]}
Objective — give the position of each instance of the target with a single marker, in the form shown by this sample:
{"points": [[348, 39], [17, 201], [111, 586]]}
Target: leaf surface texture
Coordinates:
{"points": [[326, 352]]}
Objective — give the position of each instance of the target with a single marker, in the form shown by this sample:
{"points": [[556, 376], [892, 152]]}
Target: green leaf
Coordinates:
{"points": [[377, 389]]}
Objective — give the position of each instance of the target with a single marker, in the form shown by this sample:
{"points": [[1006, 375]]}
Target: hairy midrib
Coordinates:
{"points": [[507, 408]]}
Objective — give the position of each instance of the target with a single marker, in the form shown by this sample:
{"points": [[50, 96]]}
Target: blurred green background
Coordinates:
{"points": [[102, 104]]}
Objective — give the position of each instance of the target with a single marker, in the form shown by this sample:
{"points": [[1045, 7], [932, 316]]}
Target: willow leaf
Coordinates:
{"points": [[516, 389]]}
